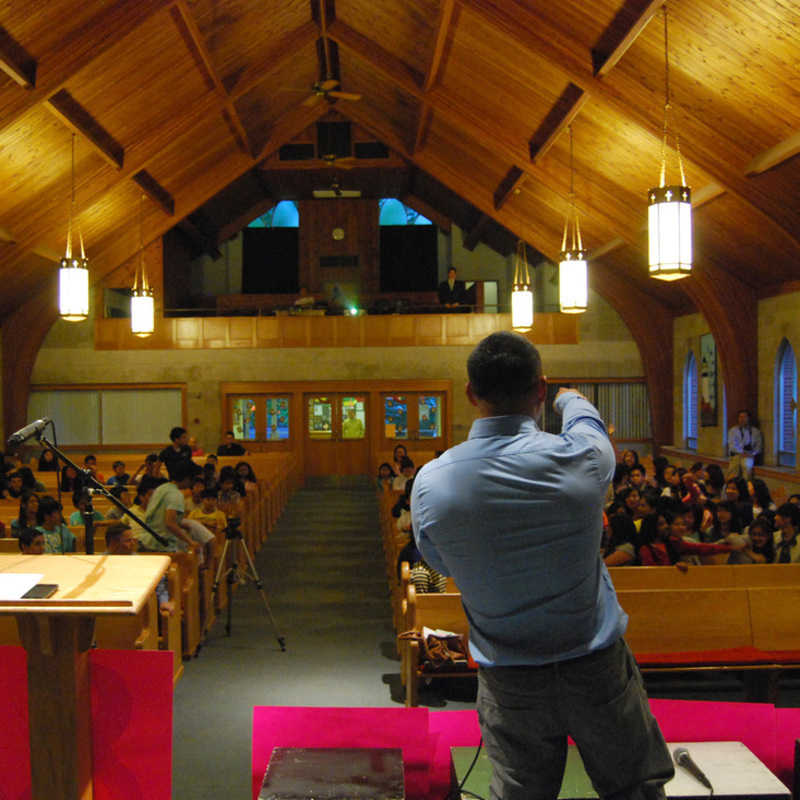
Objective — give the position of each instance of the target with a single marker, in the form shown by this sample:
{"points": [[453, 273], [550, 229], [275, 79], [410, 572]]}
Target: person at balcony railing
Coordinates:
{"points": [[745, 443], [452, 292]]}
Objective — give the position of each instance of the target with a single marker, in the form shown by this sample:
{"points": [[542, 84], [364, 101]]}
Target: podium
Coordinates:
{"points": [[57, 634]]}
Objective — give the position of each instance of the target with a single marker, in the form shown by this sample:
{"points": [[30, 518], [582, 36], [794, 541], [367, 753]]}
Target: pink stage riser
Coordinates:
{"points": [[131, 695], [426, 737]]}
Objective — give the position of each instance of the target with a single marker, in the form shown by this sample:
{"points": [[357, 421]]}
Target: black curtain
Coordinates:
{"points": [[270, 260], [409, 258]]}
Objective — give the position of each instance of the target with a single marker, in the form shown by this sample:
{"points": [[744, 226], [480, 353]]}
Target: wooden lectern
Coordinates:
{"points": [[57, 634]]}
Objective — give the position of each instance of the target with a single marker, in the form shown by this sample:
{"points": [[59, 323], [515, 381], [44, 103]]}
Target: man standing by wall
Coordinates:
{"points": [[515, 516], [744, 444]]}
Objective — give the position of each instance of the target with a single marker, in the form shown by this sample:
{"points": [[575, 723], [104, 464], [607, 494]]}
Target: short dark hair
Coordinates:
{"points": [[117, 464], [15, 474], [147, 483], [27, 535], [229, 433], [183, 470], [152, 458], [406, 462], [113, 532], [503, 369], [176, 433], [790, 510], [47, 505], [89, 458], [638, 468], [210, 493]]}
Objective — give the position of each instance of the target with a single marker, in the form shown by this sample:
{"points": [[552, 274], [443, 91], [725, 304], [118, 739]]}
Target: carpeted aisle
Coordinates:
{"points": [[323, 572]]}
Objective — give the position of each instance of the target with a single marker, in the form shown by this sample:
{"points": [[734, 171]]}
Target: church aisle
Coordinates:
{"points": [[323, 572]]}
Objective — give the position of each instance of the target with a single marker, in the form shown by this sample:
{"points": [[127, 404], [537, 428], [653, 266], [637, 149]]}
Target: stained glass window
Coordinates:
{"points": [[353, 418], [244, 419], [430, 423], [320, 417], [395, 417], [277, 418]]}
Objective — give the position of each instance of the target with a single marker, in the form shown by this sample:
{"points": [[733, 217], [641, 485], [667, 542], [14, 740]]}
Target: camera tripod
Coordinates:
{"points": [[233, 537]]}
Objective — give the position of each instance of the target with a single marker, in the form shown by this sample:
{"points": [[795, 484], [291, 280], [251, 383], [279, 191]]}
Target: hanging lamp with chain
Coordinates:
{"points": [[573, 289], [522, 292]]}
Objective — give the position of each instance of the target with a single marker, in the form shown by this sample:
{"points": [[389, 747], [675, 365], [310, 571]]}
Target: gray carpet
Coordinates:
{"points": [[323, 573]]}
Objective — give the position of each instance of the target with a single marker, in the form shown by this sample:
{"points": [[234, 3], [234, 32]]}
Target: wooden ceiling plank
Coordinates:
{"points": [[472, 238], [284, 51], [66, 108], [781, 152], [423, 126], [155, 191], [560, 116], [289, 125], [621, 34], [380, 59], [508, 186], [19, 65], [191, 35], [710, 149], [55, 68], [706, 194]]}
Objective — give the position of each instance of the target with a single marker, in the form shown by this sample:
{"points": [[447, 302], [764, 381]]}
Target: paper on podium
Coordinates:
{"points": [[14, 584]]}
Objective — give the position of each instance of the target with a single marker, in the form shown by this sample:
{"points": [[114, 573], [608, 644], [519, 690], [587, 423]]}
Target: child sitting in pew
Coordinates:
{"points": [[662, 542], [120, 477], [124, 496], [209, 515], [31, 542], [81, 502], [28, 508], [57, 536]]}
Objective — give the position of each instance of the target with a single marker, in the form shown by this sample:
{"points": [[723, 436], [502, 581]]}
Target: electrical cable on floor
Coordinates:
{"points": [[459, 792]]}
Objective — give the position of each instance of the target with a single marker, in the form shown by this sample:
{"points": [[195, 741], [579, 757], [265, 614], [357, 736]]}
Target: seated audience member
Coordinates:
{"points": [[165, 510], [28, 508], [691, 491], [761, 547], [70, 479], [229, 447], [426, 579], [230, 500], [406, 473], [385, 476], [661, 541], [197, 488], [90, 463], [31, 542], [794, 498], [620, 479], [648, 503], [715, 483], [672, 483], [120, 541], [29, 482], [402, 509], [398, 455], [736, 492], [659, 465], [177, 453], [761, 498], [629, 497], [209, 515], [787, 524], [196, 449], [620, 548], [150, 467], [57, 536], [15, 488], [244, 472], [81, 502], [120, 477], [726, 520], [693, 519], [698, 470], [637, 477], [124, 496], [47, 462], [209, 474], [629, 459], [139, 506]]}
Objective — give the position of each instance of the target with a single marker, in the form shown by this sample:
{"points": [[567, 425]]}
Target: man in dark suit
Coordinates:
{"points": [[452, 293]]}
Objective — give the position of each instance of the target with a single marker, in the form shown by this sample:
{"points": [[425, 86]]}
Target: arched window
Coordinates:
{"points": [[785, 411], [690, 389], [393, 212], [282, 215]]}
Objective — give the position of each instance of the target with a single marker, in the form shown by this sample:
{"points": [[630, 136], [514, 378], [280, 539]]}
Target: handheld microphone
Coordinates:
{"points": [[30, 430], [683, 759]]}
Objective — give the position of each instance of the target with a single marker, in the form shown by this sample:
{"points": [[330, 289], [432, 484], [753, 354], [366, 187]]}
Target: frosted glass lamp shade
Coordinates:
{"points": [[573, 289], [670, 232], [73, 289], [142, 313], [521, 308]]}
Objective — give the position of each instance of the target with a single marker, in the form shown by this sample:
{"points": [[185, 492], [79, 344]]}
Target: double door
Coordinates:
{"points": [[336, 433]]}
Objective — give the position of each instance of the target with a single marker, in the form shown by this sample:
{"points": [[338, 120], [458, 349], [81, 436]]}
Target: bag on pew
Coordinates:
{"points": [[440, 651]]}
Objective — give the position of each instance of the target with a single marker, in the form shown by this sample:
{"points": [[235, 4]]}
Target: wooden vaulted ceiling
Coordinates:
{"points": [[188, 100]]}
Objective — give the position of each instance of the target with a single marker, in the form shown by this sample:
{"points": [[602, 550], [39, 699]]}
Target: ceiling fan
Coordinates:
{"points": [[341, 162], [336, 190], [327, 90]]}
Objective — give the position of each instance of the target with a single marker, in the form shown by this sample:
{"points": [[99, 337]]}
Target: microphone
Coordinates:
{"points": [[32, 429], [683, 759]]}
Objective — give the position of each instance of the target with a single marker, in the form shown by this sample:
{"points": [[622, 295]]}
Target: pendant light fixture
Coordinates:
{"points": [[142, 303], [573, 290], [670, 206], [73, 272], [521, 293]]}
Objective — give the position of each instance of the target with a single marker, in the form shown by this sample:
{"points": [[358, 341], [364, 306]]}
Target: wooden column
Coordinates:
{"points": [[59, 706], [650, 323]]}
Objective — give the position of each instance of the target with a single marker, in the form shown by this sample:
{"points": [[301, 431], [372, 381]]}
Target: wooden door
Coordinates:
{"points": [[336, 434]]}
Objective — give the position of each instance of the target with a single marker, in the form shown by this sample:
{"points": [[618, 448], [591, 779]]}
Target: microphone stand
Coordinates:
{"points": [[89, 480]]}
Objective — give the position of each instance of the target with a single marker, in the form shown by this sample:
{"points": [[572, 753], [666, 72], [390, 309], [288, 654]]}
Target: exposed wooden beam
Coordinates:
{"points": [[707, 148], [473, 237], [58, 65], [66, 108], [155, 191], [560, 116], [191, 35], [621, 33], [289, 125], [508, 186], [236, 224], [16, 62], [427, 210], [288, 47], [608, 247], [781, 152], [706, 194], [423, 126]]}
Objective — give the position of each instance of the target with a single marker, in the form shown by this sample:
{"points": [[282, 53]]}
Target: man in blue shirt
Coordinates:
{"points": [[514, 514]]}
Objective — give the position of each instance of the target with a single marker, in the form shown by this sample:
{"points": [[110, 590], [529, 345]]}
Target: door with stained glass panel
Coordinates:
{"points": [[261, 422], [414, 419], [336, 434]]}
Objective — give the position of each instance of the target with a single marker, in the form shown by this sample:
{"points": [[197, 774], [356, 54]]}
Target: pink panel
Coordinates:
{"points": [[131, 695], [285, 726], [787, 730], [449, 729]]}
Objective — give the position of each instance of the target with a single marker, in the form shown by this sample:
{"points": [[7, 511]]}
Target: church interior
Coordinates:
{"points": [[287, 184]]}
